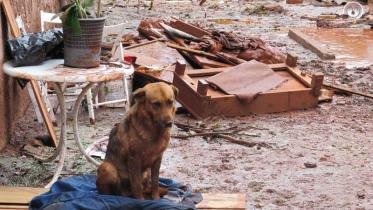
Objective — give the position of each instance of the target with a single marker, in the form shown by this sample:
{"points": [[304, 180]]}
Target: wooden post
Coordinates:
{"points": [[202, 87], [44, 112], [316, 83], [16, 32], [291, 60], [180, 67]]}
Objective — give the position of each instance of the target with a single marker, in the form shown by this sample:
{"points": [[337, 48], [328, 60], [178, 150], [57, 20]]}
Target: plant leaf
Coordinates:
{"points": [[72, 20], [87, 3], [64, 8]]}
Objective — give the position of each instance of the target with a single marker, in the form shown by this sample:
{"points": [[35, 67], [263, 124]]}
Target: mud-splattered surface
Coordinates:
{"points": [[321, 158]]}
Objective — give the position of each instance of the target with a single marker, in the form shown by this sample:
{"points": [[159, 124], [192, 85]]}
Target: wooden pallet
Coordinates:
{"points": [[20, 197], [300, 91]]}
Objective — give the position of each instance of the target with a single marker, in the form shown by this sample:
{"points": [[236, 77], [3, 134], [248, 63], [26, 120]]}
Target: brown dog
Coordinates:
{"points": [[136, 145]]}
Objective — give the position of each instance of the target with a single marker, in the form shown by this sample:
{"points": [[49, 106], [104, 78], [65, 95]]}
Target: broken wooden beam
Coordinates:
{"points": [[175, 32], [346, 90], [208, 55], [311, 44], [189, 28], [190, 50]]}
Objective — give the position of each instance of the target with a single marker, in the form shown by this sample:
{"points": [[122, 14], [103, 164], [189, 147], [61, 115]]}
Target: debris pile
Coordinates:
{"points": [[190, 57]]}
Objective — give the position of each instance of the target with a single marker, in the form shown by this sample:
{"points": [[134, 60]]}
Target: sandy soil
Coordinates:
{"points": [[336, 138]]}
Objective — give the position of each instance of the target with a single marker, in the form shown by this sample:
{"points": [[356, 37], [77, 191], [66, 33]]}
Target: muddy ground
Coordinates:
{"points": [[335, 138]]}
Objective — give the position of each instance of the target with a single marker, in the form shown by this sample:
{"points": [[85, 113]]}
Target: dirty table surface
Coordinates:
{"points": [[53, 70]]}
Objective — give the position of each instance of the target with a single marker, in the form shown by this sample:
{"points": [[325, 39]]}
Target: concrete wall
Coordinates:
{"points": [[13, 100]]}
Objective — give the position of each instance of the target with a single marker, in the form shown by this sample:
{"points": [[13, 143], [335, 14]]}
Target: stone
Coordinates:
{"points": [[310, 164]]}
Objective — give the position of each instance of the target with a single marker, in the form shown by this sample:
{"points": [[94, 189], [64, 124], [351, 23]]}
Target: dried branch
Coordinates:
{"points": [[200, 134], [244, 143]]}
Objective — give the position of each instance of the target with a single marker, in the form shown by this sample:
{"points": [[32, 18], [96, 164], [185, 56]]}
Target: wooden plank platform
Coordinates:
{"points": [[300, 91], [311, 44], [19, 198], [222, 201]]}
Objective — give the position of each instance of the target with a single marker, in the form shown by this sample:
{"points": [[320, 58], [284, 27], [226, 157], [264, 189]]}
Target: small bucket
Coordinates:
{"points": [[83, 50]]}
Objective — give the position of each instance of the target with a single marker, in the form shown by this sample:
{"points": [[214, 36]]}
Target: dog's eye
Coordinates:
{"points": [[170, 102], [156, 104]]}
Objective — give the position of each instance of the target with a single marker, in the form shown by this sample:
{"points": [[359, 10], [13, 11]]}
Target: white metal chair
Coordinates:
{"points": [[46, 17], [117, 55]]}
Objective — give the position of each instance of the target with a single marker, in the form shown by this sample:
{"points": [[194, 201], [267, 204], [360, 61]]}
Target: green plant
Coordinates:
{"points": [[76, 9]]}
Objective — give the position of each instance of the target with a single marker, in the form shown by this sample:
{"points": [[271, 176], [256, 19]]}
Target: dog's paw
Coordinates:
{"points": [[155, 195]]}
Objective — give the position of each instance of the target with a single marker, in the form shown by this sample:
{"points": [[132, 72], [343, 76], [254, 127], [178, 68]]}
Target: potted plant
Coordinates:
{"points": [[82, 33]]}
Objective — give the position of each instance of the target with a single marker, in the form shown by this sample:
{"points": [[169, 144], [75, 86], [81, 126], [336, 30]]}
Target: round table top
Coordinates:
{"points": [[53, 70]]}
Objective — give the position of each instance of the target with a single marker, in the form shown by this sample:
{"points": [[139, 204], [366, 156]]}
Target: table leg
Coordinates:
{"points": [[91, 111], [126, 91], [61, 148], [76, 131]]}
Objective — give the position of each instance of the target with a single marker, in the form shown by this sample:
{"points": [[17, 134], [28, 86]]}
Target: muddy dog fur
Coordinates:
{"points": [[136, 145]]}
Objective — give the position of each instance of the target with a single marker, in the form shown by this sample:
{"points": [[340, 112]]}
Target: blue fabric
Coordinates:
{"points": [[80, 193]]}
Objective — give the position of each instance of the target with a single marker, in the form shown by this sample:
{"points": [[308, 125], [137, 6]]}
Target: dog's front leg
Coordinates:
{"points": [[155, 178], [135, 177]]}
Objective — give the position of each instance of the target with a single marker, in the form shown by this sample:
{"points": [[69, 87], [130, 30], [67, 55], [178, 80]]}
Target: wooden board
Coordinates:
{"points": [[16, 33], [157, 54], [159, 51], [188, 28], [13, 207], [311, 44], [223, 201], [20, 197]]}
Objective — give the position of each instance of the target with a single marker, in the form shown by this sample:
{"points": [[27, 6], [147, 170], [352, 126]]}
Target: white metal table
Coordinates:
{"points": [[55, 72]]}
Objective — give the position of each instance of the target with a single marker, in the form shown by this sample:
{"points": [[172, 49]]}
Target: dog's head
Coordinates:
{"points": [[158, 101]]}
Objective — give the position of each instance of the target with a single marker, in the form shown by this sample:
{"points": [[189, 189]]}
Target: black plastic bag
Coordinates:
{"points": [[34, 48]]}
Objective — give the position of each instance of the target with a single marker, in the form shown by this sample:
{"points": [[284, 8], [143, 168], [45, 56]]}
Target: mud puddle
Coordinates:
{"points": [[351, 46]]}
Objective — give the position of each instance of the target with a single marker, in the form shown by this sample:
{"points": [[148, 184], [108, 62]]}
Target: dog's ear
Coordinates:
{"points": [[176, 91], [138, 96]]}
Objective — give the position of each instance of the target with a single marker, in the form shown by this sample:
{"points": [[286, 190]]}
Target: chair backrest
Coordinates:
{"points": [[21, 25], [118, 31], [46, 17]]}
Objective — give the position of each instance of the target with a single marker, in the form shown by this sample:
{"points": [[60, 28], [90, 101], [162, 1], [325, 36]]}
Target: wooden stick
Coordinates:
{"points": [[200, 134], [16, 33], [144, 43], [233, 60], [44, 113], [244, 143], [347, 90], [197, 52]]}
